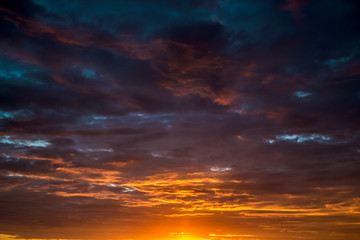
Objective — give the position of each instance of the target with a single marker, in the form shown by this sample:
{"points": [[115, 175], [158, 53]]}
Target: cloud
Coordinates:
{"points": [[218, 119], [28, 143]]}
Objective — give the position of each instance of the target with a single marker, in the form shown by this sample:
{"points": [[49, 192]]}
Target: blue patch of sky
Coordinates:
{"points": [[302, 94], [100, 118], [23, 113], [131, 118], [88, 73], [7, 73], [271, 141], [15, 71], [300, 138], [24, 143], [335, 61]]}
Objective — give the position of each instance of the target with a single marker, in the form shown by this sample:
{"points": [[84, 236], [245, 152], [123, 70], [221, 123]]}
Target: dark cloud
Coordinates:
{"points": [[22, 8], [207, 36], [213, 119]]}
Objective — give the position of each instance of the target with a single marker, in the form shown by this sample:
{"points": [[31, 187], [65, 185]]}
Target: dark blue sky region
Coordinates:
{"points": [[175, 119]]}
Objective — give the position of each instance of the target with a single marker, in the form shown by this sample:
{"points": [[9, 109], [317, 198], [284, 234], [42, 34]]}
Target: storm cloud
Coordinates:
{"points": [[179, 119]]}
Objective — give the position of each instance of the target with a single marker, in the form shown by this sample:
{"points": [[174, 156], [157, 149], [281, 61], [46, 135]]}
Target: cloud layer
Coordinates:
{"points": [[179, 119]]}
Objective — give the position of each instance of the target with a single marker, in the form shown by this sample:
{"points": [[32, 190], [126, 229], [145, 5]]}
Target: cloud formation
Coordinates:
{"points": [[179, 119]]}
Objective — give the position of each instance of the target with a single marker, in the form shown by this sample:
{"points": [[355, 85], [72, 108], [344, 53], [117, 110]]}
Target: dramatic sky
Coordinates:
{"points": [[169, 120]]}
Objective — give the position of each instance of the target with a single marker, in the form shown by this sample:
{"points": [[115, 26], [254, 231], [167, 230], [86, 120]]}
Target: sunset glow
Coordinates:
{"points": [[179, 120]]}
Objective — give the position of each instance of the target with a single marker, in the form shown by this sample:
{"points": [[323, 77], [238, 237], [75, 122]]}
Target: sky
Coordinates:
{"points": [[170, 120]]}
